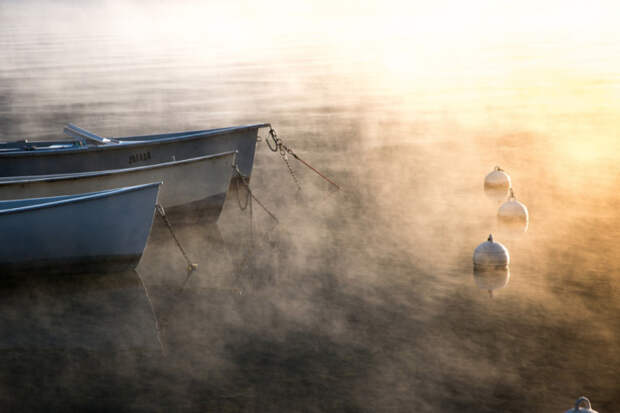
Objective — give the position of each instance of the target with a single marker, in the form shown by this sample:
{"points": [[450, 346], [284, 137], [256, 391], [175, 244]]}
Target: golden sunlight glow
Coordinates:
{"points": [[546, 67]]}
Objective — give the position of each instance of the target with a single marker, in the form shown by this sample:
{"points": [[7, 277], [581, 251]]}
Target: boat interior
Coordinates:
{"points": [[26, 145]]}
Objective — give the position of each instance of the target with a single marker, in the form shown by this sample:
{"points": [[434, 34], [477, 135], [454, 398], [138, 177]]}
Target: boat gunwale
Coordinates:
{"points": [[189, 134], [125, 142], [27, 179], [71, 199]]}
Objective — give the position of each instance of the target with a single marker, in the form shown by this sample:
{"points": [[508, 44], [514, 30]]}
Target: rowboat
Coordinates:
{"points": [[99, 231], [193, 188], [90, 152]]}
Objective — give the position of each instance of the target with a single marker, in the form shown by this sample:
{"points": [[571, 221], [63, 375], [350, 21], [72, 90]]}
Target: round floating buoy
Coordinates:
{"points": [[497, 183], [513, 214], [578, 409], [491, 261], [491, 254]]}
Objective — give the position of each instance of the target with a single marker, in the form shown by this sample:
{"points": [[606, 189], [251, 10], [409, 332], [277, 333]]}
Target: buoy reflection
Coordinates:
{"points": [[491, 278]]}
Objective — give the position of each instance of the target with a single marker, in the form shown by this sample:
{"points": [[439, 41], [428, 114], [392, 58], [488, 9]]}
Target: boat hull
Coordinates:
{"points": [[193, 189], [43, 158], [97, 232]]}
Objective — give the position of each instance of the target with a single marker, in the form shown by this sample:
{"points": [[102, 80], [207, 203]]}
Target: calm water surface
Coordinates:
{"points": [[362, 300]]}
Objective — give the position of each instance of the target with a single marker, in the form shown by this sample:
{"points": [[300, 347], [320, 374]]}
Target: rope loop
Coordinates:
{"points": [[242, 206], [277, 144]]}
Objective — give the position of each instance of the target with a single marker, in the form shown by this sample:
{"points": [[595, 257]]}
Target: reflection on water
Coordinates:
{"points": [[361, 300], [491, 279], [91, 312]]}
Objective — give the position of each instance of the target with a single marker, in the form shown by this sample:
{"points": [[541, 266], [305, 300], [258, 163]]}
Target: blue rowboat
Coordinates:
{"points": [[90, 152], [193, 188], [99, 231]]}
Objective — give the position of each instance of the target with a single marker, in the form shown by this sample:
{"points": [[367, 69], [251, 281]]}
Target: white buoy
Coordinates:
{"points": [[497, 183], [491, 261], [578, 409], [491, 254], [513, 214]]}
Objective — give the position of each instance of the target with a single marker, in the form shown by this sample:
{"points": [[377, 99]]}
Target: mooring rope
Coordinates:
{"points": [[191, 267], [242, 206], [279, 145], [162, 344], [289, 167], [244, 181], [251, 220]]}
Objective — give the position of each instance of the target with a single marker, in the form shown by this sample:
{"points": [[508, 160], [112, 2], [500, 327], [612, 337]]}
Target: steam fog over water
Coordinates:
{"points": [[359, 300]]}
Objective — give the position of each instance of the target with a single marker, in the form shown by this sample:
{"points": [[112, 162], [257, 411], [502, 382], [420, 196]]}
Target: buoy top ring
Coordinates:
{"points": [[580, 400], [586, 409]]}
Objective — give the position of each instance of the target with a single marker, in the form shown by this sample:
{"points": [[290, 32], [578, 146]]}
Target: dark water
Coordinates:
{"points": [[360, 300]]}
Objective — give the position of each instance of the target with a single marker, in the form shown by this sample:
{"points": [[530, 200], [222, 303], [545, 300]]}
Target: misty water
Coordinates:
{"points": [[356, 300]]}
